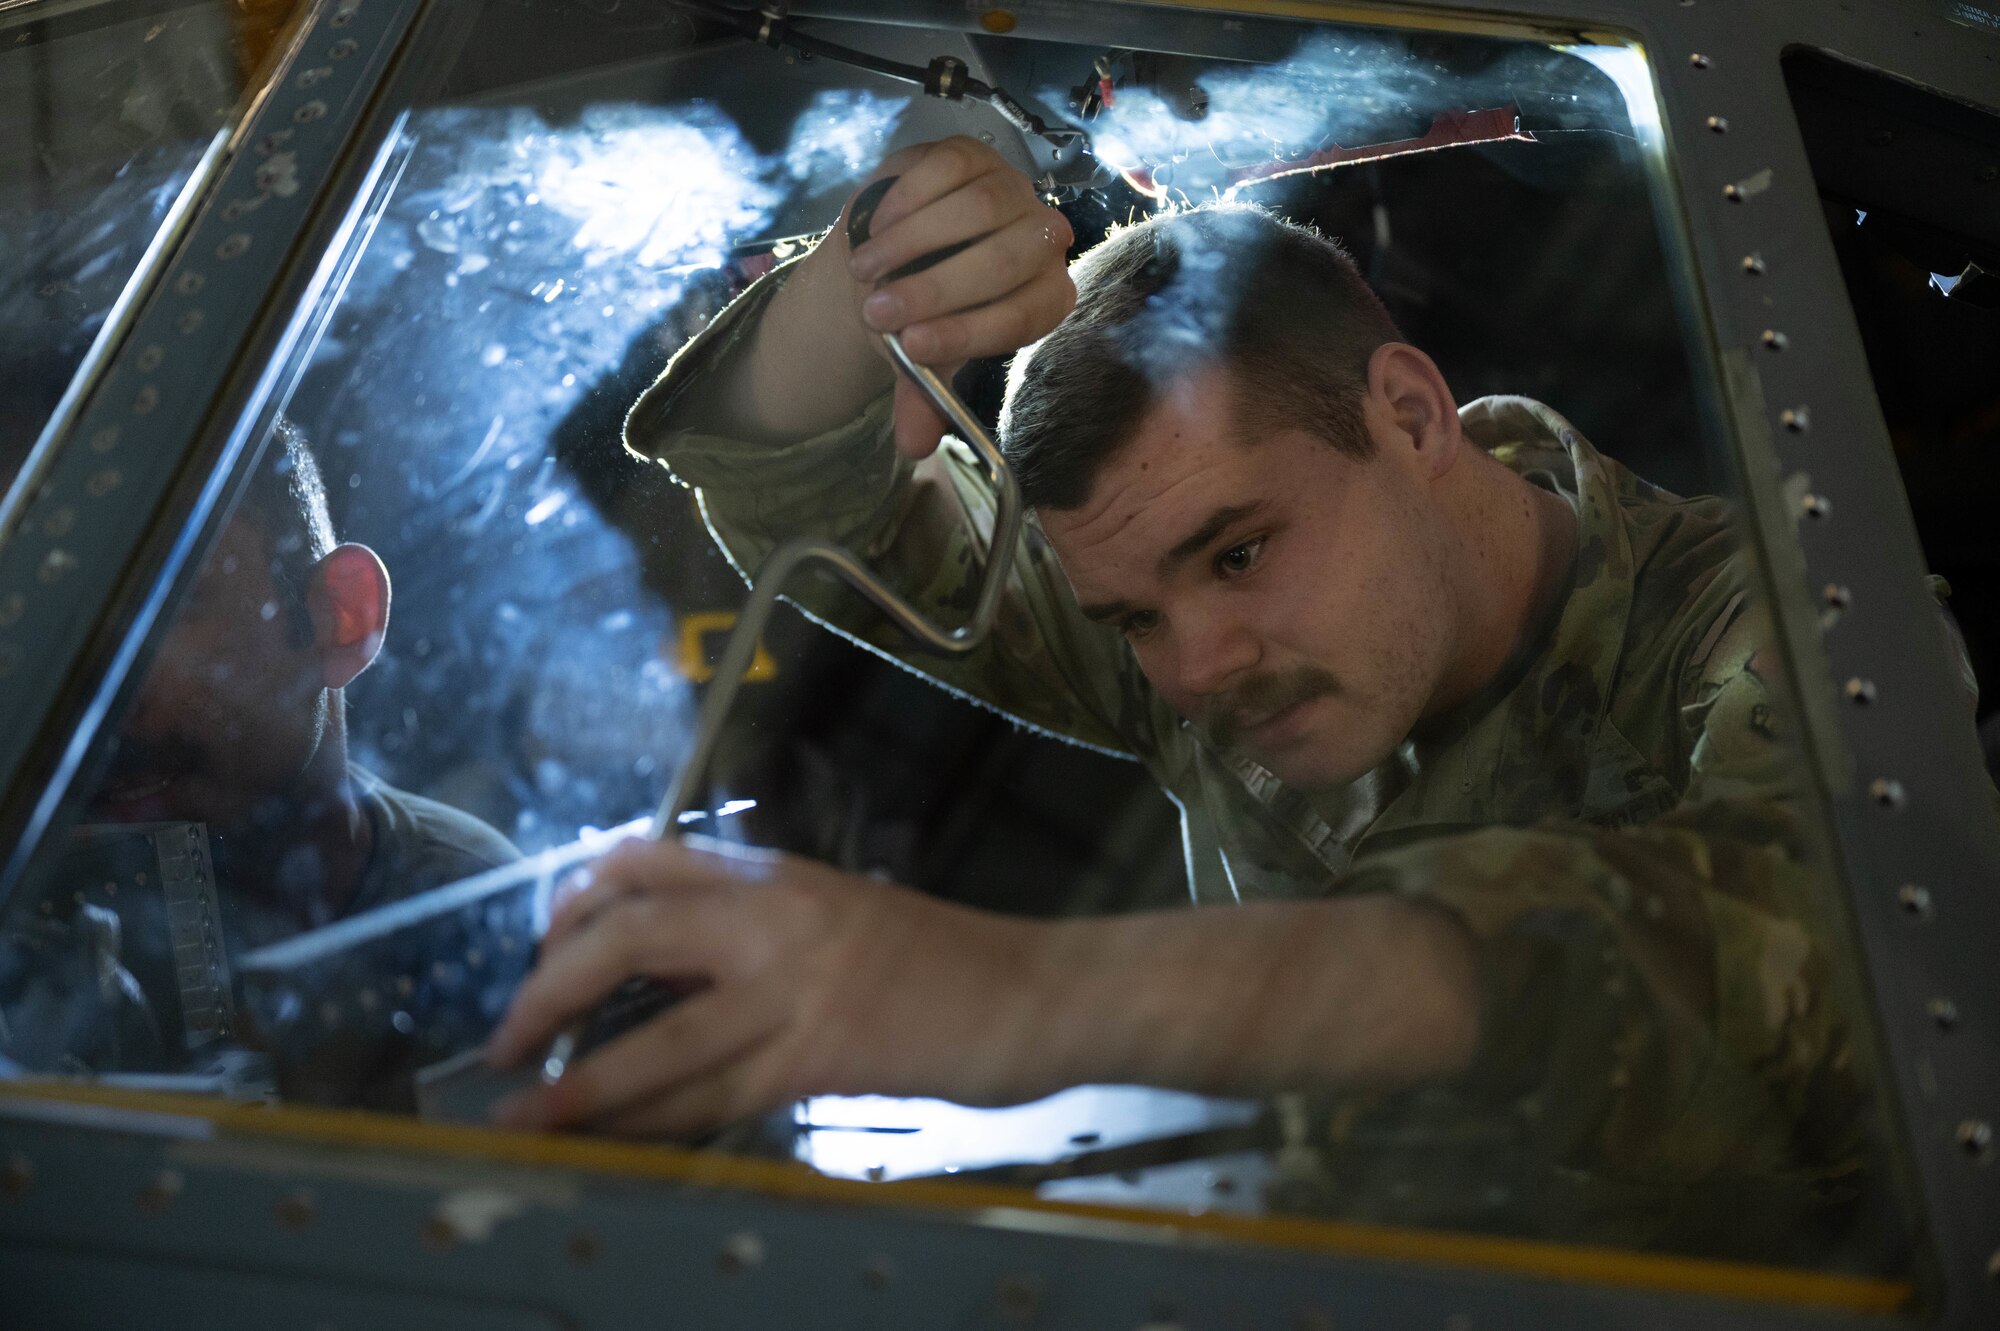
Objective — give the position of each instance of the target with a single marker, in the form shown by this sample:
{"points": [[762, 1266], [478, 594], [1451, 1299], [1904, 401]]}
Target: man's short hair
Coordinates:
{"points": [[286, 498], [1224, 285]]}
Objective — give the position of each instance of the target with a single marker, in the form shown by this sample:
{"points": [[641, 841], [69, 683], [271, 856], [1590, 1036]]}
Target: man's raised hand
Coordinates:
{"points": [[1006, 289]]}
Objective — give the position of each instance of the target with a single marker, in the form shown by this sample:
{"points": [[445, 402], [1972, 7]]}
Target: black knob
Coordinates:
{"points": [[861, 213]]}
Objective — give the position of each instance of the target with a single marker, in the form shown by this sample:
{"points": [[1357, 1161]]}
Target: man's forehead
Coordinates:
{"points": [[1180, 440], [1150, 486], [1139, 501]]}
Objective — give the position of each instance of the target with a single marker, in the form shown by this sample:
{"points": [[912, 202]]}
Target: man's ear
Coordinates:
{"points": [[349, 605], [1410, 407]]}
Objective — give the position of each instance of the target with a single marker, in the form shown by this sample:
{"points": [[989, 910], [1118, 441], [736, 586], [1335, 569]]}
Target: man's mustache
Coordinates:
{"points": [[1227, 715]]}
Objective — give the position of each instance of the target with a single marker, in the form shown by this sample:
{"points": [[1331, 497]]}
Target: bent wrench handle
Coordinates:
{"points": [[1006, 493], [783, 562]]}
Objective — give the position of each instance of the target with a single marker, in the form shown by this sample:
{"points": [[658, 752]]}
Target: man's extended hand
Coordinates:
{"points": [[804, 980]]}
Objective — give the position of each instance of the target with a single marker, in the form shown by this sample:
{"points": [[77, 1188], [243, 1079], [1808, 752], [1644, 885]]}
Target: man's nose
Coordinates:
{"points": [[1214, 653]]}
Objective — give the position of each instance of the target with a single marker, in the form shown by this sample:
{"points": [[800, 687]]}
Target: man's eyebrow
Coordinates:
{"points": [[1218, 522], [1107, 612]]}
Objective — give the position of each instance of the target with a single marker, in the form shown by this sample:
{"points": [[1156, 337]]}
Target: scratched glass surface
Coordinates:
{"points": [[349, 837], [106, 117]]}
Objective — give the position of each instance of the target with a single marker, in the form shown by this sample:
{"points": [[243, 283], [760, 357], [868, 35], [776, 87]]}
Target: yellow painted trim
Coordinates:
{"points": [[692, 660], [793, 1181]]}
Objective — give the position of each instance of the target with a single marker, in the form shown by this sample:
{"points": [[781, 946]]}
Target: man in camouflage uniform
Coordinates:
{"points": [[1525, 912]]}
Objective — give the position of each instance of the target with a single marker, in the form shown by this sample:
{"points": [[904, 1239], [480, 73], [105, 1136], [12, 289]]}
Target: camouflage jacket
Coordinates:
{"points": [[1616, 820]]}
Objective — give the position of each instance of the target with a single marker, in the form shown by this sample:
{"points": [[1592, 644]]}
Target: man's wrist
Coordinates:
{"points": [[1370, 992], [1108, 1006]]}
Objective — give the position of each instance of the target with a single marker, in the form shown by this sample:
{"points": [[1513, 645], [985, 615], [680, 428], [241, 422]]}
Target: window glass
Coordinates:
{"points": [[109, 108], [1922, 264], [453, 637]]}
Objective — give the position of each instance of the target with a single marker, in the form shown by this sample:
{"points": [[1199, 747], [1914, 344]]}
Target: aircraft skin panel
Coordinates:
{"points": [[600, 1235]]}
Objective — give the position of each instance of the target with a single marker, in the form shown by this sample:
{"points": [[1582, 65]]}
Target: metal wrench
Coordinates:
{"points": [[779, 567]]}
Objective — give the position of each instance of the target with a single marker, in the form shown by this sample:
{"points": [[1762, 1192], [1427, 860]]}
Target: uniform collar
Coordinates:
{"points": [[1525, 746]]}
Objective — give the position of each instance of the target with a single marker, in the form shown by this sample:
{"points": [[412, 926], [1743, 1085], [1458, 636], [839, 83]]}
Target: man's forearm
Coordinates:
{"points": [[1368, 992]]}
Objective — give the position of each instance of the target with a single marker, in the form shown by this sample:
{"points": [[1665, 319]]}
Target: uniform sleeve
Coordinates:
{"points": [[1666, 1025], [924, 528]]}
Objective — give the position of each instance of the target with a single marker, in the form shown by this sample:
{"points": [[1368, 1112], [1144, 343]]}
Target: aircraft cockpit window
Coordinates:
{"points": [[1467, 876], [109, 110]]}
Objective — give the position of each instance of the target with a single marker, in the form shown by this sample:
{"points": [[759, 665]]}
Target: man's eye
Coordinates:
{"points": [[1141, 622], [1239, 559]]}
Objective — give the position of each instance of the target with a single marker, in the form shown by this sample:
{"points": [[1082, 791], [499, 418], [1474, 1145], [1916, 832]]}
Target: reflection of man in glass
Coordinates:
{"points": [[240, 721], [237, 728], [1472, 714]]}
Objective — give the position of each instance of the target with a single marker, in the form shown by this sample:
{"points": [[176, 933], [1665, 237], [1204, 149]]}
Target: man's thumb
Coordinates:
{"points": [[918, 425]]}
